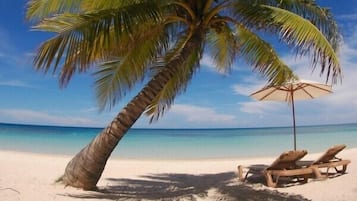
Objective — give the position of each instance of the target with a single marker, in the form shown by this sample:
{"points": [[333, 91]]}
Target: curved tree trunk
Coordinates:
{"points": [[86, 168]]}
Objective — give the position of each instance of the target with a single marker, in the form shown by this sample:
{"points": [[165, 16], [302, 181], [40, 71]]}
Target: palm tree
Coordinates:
{"points": [[127, 41]]}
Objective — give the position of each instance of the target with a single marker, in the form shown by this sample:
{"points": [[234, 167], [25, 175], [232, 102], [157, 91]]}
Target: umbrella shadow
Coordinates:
{"points": [[168, 187]]}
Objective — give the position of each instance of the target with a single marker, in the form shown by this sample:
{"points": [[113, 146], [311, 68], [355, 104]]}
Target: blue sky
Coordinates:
{"points": [[212, 100]]}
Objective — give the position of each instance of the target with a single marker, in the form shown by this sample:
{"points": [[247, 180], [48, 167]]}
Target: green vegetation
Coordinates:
{"points": [[128, 41]]}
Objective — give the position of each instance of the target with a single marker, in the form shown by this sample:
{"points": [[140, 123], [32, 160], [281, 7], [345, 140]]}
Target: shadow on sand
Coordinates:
{"points": [[167, 187]]}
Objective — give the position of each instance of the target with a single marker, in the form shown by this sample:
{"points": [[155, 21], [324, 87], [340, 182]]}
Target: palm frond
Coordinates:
{"points": [[133, 38], [321, 17], [222, 47], [36, 10], [116, 77], [262, 56], [253, 16], [178, 83], [301, 34], [307, 39], [90, 5], [78, 34]]}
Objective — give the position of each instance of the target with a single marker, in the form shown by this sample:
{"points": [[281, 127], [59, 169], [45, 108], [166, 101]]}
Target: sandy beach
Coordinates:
{"points": [[31, 177]]}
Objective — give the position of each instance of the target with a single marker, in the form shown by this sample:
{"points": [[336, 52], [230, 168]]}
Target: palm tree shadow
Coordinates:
{"points": [[168, 187]]}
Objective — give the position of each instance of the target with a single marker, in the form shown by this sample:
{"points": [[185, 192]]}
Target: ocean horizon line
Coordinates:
{"points": [[148, 128], [179, 143]]}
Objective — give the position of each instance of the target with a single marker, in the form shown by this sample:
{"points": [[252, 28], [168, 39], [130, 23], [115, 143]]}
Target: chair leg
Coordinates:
{"points": [[344, 167], [305, 178], [317, 173], [269, 179], [240, 173]]}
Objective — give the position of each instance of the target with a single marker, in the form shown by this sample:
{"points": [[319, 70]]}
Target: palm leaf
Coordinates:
{"points": [[116, 77], [320, 17], [178, 83], [37, 10], [107, 4], [262, 56], [222, 47], [306, 38], [78, 34], [302, 36]]}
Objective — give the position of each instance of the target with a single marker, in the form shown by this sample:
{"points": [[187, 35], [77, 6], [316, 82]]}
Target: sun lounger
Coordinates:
{"points": [[284, 166], [329, 161]]}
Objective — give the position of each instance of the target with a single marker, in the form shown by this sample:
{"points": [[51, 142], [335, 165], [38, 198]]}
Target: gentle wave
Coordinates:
{"points": [[179, 143]]}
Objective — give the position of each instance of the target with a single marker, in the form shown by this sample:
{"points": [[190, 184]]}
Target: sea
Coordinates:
{"points": [[176, 144]]}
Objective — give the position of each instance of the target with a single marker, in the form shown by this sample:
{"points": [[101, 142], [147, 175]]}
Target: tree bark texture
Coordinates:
{"points": [[87, 166]]}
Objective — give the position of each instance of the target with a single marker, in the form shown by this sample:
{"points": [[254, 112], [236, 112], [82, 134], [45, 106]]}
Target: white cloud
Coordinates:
{"points": [[39, 117], [260, 107], [348, 17], [248, 86], [16, 83], [7, 50], [241, 90], [338, 107], [201, 114], [91, 110], [345, 93], [207, 61], [190, 116]]}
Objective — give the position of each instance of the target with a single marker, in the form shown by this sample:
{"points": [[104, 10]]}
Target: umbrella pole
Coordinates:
{"points": [[293, 108]]}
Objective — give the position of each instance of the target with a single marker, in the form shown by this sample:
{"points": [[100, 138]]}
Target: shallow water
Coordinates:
{"points": [[179, 143]]}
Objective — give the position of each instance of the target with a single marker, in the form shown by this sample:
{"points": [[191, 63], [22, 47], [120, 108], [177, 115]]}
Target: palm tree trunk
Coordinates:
{"points": [[86, 168]]}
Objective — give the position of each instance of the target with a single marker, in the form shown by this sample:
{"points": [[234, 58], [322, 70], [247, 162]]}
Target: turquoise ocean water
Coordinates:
{"points": [[179, 143]]}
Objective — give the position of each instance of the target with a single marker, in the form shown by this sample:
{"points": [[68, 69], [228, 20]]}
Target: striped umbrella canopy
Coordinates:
{"points": [[291, 91]]}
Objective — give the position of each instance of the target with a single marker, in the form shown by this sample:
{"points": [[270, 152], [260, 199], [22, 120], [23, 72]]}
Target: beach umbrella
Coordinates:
{"points": [[292, 91]]}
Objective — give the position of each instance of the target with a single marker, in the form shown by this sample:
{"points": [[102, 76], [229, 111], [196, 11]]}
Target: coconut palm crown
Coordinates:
{"points": [[125, 42]]}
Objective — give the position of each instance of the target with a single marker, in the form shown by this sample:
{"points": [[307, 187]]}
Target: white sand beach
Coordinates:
{"points": [[31, 177]]}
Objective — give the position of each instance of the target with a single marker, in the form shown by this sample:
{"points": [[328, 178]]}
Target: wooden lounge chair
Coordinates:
{"points": [[284, 166], [329, 160]]}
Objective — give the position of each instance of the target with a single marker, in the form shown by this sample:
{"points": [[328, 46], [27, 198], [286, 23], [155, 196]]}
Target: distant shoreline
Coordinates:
{"points": [[166, 144], [149, 128]]}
